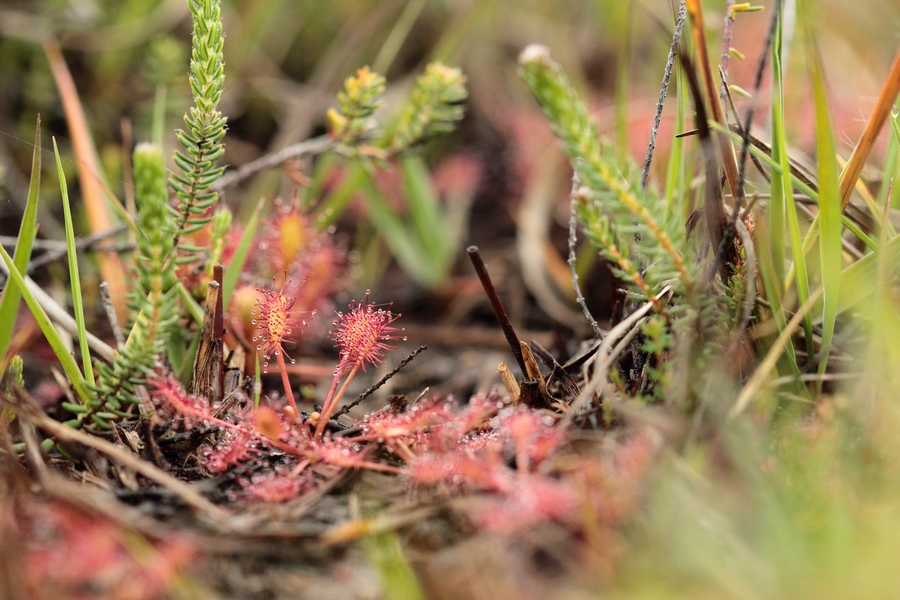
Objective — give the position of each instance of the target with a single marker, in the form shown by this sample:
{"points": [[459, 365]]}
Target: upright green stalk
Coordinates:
{"points": [[154, 297], [783, 195], [205, 125], [830, 212], [9, 300], [624, 221]]}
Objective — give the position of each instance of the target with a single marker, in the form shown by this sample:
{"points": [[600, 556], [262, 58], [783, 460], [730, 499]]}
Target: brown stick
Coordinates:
{"points": [[66, 434], [499, 311], [873, 127], [716, 218]]}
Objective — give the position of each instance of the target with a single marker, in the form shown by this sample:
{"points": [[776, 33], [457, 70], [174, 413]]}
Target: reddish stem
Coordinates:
{"points": [[402, 450], [287, 386], [331, 405]]}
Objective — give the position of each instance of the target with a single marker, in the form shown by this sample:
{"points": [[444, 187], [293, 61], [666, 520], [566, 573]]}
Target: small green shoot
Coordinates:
{"points": [[53, 338], [74, 277], [9, 300], [830, 211]]}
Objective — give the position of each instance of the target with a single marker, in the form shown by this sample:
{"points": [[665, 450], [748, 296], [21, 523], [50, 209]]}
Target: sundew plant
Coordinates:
{"points": [[657, 378]]}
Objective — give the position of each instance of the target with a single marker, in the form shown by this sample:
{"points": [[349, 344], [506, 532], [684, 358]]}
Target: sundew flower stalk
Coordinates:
{"points": [[361, 335], [276, 322]]}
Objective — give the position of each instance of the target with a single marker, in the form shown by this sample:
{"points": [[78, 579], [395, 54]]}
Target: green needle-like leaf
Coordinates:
{"points": [[9, 301], [74, 277], [233, 271], [782, 201], [43, 321], [830, 225]]}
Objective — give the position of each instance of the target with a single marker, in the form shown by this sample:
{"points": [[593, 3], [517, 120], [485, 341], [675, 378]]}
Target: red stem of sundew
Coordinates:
{"points": [[335, 380], [402, 450], [287, 389], [365, 464], [300, 468], [328, 410], [373, 466], [522, 462]]}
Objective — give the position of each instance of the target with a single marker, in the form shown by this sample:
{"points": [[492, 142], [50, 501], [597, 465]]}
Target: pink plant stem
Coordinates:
{"points": [[287, 388], [300, 468], [328, 410], [373, 466], [329, 397], [402, 450]]}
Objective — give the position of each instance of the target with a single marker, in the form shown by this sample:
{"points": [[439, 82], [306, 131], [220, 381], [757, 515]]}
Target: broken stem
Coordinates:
{"points": [[511, 338]]}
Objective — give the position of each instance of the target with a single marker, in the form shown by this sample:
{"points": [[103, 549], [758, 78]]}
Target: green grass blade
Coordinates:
{"points": [[323, 167], [892, 169], [397, 36], [74, 277], [424, 210], [781, 184], [891, 161], [387, 558], [405, 248], [159, 115], [676, 170], [56, 343], [830, 212], [771, 285], [233, 271], [856, 279], [782, 189], [333, 207], [193, 308], [9, 300], [769, 162]]}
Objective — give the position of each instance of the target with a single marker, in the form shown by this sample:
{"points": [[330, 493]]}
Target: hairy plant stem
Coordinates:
{"points": [[286, 382], [332, 399]]}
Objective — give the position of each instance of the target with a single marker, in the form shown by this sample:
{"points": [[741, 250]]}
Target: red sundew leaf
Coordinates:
{"points": [[340, 453], [385, 424], [362, 333], [632, 458], [457, 176], [238, 446], [531, 499], [172, 400], [70, 552], [241, 312], [480, 408], [546, 441], [614, 485], [274, 487], [460, 471], [471, 421], [267, 423], [286, 235], [483, 443], [533, 433], [277, 321], [323, 268]]}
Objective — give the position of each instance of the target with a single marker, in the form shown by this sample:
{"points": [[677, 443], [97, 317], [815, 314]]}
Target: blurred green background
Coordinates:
{"points": [[285, 59]]}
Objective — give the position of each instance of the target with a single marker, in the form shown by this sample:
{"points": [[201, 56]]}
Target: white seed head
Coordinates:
{"points": [[535, 53]]}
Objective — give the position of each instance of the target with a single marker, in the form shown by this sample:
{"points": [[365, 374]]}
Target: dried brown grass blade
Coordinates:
{"points": [[716, 113], [886, 100], [208, 375], [712, 96], [125, 458], [111, 267]]}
